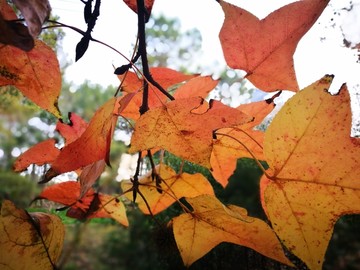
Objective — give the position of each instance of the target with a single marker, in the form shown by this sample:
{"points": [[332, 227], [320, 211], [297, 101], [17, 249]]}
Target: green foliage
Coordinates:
{"points": [[168, 46], [21, 190]]}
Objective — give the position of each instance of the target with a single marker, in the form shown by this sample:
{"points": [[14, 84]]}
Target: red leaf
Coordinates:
{"points": [[40, 154], [265, 48], [91, 146], [35, 73], [73, 130], [133, 5]]}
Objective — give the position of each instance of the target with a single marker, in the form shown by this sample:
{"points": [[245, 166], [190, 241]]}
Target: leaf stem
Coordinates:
{"points": [[249, 151]]}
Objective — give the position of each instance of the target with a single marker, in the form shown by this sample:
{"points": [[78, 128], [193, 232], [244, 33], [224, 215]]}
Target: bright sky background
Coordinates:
{"points": [[117, 27]]}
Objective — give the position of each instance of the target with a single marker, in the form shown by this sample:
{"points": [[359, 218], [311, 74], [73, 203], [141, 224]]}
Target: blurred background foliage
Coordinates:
{"points": [[104, 244]]}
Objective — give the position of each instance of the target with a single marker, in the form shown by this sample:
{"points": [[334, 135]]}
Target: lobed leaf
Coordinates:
{"points": [[212, 223], [72, 131], [314, 170], [185, 128], [173, 186], [265, 48], [29, 241], [240, 141], [132, 84], [93, 144]]}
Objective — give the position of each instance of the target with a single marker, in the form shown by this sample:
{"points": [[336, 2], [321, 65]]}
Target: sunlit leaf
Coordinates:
{"points": [[91, 146], [35, 73], [185, 128], [314, 170], [174, 186], [212, 223], [238, 142], [264, 48], [131, 83], [72, 131], [29, 241], [90, 174], [199, 86]]}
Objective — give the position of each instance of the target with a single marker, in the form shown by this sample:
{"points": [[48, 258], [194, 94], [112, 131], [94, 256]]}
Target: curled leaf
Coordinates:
{"points": [[93, 144], [35, 13]]}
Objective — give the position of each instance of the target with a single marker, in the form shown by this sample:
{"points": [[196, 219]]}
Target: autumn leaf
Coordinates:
{"points": [[35, 13], [131, 84], [166, 77], [12, 32], [29, 241], [199, 86], [174, 186], [93, 144], [132, 4], [314, 170], [212, 223], [239, 142], [89, 205], [265, 48], [185, 128], [42, 153], [72, 131], [90, 174], [35, 73], [46, 152]]}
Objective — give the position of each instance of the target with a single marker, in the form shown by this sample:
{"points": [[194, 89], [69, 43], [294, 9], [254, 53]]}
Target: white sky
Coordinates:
{"points": [[117, 27]]}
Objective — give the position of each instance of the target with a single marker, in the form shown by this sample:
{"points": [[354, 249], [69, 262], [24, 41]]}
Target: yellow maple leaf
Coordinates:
{"points": [[212, 223], [314, 170]]}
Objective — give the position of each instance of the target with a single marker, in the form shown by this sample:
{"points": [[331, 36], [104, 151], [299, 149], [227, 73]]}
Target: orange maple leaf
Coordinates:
{"points": [[132, 84], [185, 128], [72, 131], [212, 223], [173, 186], [241, 141], [314, 170], [265, 48], [35, 73], [93, 144]]}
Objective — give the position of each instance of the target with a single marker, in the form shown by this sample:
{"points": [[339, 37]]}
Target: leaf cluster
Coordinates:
{"points": [[312, 173]]}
